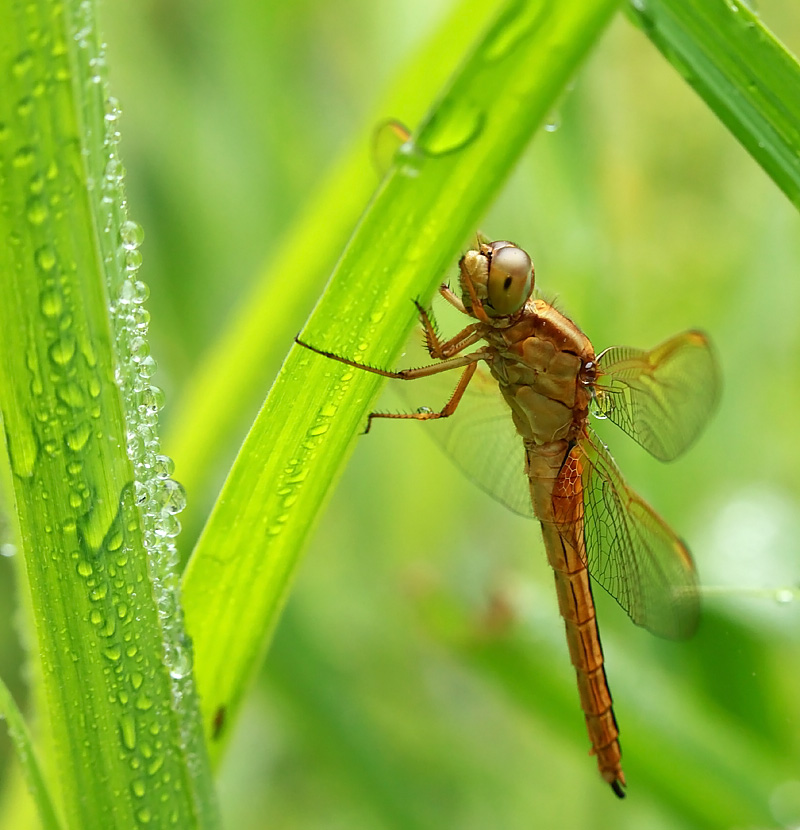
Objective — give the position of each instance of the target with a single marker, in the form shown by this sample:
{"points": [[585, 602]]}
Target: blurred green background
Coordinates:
{"points": [[419, 677]]}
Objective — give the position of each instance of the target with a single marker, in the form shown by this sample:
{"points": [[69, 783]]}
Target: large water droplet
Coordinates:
{"points": [[131, 235], [455, 125], [181, 665]]}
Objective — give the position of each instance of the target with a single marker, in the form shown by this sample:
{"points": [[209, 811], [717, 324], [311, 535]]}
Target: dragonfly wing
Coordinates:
{"points": [[662, 398], [630, 550], [480, 438]]}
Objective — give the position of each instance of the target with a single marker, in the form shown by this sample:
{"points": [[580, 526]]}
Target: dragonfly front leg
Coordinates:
{"points": [[439, 349]]}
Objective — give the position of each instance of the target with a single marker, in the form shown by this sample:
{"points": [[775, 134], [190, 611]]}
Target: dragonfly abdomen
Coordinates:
{"points": [[557, 498]]}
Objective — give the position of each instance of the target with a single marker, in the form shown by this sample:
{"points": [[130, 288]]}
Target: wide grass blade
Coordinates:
{"points": [[229, 384], [240, 572], [94, 500], [741, 70]]}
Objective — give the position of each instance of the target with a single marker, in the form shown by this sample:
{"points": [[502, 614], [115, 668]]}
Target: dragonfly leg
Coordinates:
{"points": [[428, 414], [457, 362], [442, 349], [452, 298]]}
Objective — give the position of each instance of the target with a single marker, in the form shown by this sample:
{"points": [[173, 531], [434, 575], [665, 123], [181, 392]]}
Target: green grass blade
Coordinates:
{"points": [[239, 574], [231, 380], [29, 764], [76, 400], [741, 70]]}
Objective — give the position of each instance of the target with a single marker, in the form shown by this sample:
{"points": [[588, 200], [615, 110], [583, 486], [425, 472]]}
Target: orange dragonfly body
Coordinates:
{"points": [[592, 523]]}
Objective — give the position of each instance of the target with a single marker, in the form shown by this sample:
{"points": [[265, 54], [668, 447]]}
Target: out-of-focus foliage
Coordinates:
{"points": [[419, 678]]}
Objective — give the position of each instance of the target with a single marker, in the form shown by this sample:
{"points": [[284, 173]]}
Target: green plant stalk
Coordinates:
{"points": [[741, 70], [230, 381], [30, 766], [126, 752], [242, 567]]}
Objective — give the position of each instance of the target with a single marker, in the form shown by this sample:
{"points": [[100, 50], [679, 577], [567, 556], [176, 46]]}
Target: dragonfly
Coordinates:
{"points": [[533, 448]]}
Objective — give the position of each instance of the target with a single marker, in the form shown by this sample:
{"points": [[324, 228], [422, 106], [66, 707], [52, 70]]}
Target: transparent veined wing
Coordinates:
{"points": [[479, 438], [630, 550], [662, 398]]}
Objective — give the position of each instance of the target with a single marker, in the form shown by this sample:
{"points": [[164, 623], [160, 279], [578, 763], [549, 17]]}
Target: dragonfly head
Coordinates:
{"points": [[496, 279]]}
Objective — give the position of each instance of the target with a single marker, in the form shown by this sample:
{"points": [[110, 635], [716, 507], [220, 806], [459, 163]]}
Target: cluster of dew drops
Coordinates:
{"points": [[155, 490], [157, 495]]}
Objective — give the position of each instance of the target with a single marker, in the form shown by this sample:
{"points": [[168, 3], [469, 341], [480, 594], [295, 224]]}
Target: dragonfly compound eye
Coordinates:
{"points": [[510, 279]]}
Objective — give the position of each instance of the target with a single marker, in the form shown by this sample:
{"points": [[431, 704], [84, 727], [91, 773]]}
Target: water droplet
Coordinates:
{"points": [[512, 29], [141, 292], [108, 629], [552, 122], [133, 260], [127, 731], [453, 127], [140, 349], [100, 592], [45, 258], [143, 703], [155, 765], [85, 568], [63, 350], [71, 394], [181, 665], [77, 438], [784, 595], [50, 303], [170, 495], [164, 466], [139, 317], [7, 549], [147, 367], [138, 788], [114, 170], [36, 211], [113, 652], [131, 235], [167, 526], [114, 539], [139, 493]]}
